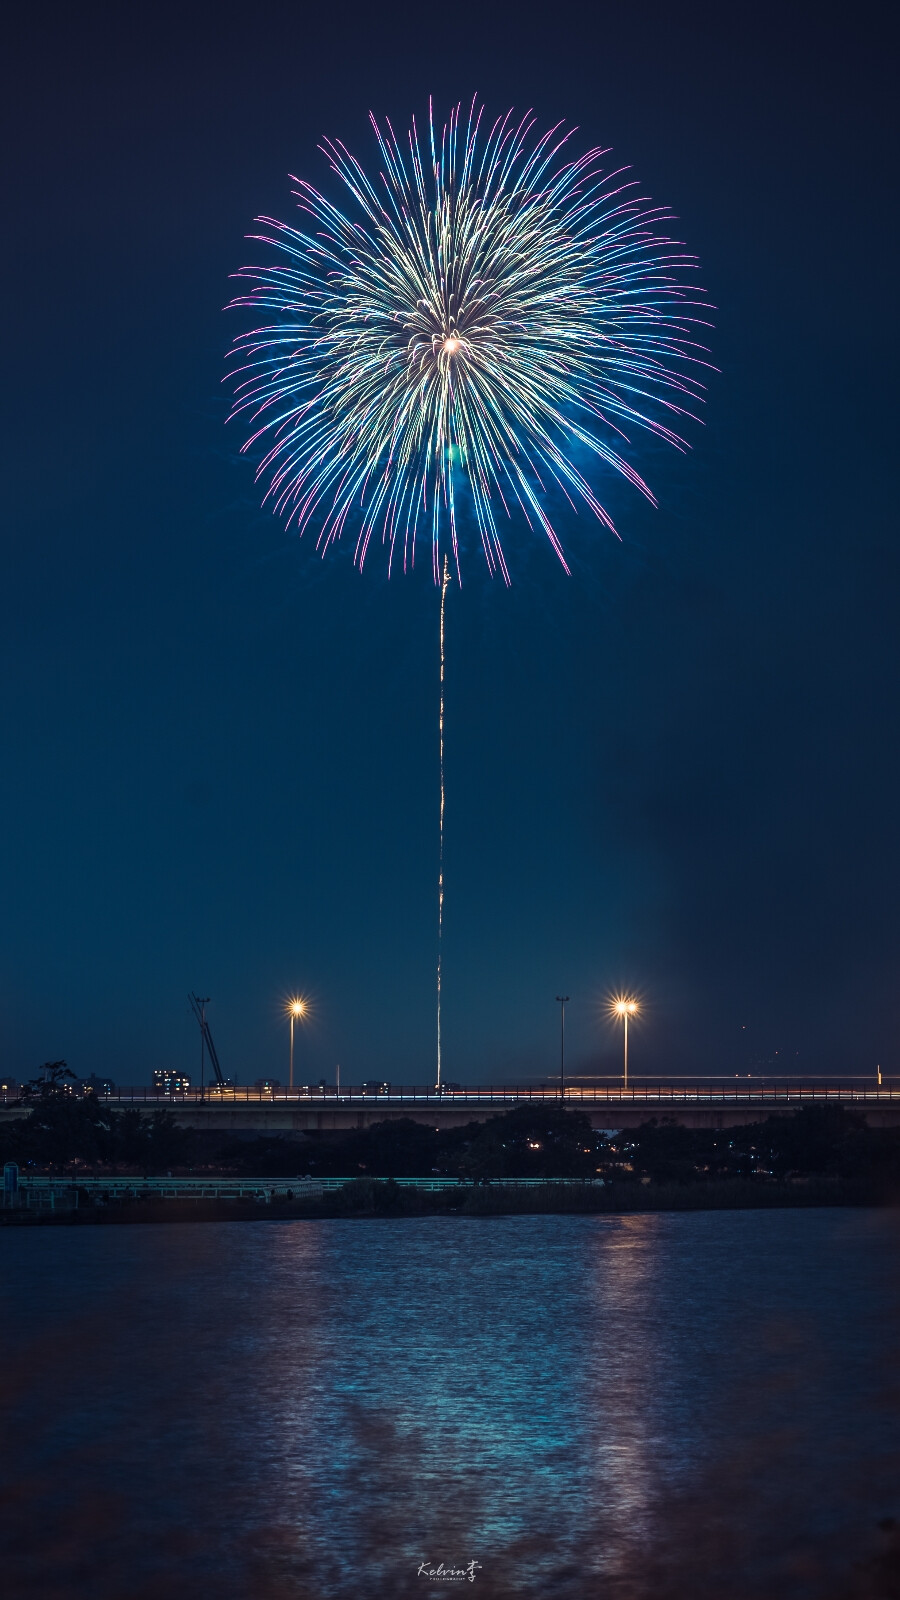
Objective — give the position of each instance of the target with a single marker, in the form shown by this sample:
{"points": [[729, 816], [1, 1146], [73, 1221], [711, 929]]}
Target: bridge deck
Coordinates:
{"points": [[699, 1103], [720, 1091]]}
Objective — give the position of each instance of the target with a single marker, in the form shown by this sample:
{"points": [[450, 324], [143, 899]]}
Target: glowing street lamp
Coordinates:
{"points": [[295, 1009], [624, 1007]]}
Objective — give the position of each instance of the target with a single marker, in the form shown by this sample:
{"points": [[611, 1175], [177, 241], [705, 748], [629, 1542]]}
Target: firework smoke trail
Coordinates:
{"points": [[445, 584], [470, 342]]}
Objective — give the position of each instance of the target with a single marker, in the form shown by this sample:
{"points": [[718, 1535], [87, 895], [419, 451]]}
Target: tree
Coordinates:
{"points": [[534, 1141], [167, 1145], [55, 1082], [61, 1129], [666, 1152], [816, 1140]]}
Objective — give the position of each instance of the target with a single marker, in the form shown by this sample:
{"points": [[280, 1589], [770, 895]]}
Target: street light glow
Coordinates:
{"points": [[624, 1006], [295, 1008]]}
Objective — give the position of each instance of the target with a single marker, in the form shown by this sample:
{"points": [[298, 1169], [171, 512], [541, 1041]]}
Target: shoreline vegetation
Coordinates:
{"points": [[383, 1197]]}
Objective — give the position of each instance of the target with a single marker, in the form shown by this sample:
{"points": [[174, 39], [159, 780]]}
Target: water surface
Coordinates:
{"points": [[671, 1404]]}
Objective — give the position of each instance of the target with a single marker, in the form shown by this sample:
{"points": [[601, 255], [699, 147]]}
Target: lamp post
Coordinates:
{"points": [[625, 1008], [296, 1008], [563, 1002]]}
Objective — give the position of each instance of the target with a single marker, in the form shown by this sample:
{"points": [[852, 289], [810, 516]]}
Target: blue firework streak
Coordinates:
{"points": [[483, 324]]}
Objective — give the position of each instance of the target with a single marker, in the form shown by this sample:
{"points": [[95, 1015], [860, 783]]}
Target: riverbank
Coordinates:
{"points": [[364, 1197]]}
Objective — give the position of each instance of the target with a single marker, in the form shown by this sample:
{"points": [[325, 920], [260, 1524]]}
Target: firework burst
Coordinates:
{"points": [[473, 337]]}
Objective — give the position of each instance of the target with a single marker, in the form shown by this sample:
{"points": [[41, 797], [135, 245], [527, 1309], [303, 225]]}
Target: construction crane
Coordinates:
{"points": [[198, 1006]]}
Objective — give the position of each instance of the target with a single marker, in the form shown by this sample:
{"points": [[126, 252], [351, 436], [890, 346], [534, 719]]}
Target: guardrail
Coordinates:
{"points": [[41, 1194], [225, 1188], [722, 1091]]}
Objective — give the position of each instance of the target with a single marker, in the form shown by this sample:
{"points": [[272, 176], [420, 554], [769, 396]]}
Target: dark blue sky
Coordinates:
{"points": [[675, 770]]}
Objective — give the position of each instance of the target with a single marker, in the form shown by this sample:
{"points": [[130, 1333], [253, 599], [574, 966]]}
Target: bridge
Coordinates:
{"points": [[700, 1103]]}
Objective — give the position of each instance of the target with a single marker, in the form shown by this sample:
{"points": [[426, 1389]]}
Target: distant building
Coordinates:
{"points": [[9, 1089], [95, 1085], [170, 1082]]}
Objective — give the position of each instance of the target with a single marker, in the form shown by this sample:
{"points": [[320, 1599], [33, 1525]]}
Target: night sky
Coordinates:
{"points": [[673, 771]]}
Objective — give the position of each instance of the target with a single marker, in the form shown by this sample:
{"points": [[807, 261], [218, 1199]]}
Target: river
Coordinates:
{"points": [[667, 1405]]}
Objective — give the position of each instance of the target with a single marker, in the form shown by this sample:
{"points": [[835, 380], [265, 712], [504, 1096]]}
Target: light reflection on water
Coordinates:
{"points": [[647, 1405]]}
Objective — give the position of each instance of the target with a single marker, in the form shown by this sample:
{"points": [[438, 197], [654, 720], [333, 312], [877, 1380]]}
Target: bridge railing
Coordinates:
{"points": [[699, 1091]]}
